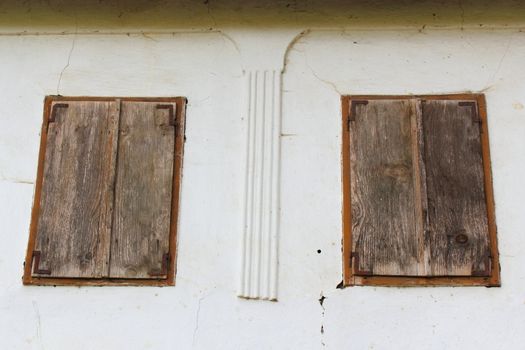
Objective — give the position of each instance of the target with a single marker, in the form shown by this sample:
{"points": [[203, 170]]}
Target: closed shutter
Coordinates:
{"points": [[458, 235], [417, 189], [385, 238], [143, 190], [76, 203], [106, 199]]}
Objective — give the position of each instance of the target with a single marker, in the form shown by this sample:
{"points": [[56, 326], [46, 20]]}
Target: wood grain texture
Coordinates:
{"points": [[420, 190], [143, 191], [43, 279], [458, 235], [383, 194], [76, 200], [482, 276]]}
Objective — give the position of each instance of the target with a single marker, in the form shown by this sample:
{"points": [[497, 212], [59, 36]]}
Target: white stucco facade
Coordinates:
{"points": [[207, 63]]}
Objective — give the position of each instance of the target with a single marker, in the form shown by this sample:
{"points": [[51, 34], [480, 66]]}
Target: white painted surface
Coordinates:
{"points": [[202, 310], [259, 242]]}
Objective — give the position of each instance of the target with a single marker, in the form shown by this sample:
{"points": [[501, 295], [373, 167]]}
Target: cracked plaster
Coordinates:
{"points": [[432, 318]]}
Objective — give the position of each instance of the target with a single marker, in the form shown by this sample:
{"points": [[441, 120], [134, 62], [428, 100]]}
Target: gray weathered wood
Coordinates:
{"points": [[455, 189], [74, 224], [143, 191], [383, 189], [420, 191]]}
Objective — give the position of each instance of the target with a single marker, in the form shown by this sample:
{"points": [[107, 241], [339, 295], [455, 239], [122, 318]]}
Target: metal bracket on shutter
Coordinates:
{"points": [[474, 110], [170, 112], [486, 271], [353, 105], [52, 117], [164, 267], [357, 269], [36, 264]]}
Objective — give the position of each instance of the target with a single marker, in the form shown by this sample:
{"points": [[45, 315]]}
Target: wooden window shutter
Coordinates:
{"points": [[419, 191], [383, 200], [458, 237], [107, 189], [76, 204], [143, 195]]}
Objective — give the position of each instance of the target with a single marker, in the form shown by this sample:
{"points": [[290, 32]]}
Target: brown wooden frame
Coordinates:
{"points": [[28, 279], [349, 278]]}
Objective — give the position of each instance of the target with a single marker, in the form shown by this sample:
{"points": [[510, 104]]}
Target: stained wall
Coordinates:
{"points": [[192, 50]]}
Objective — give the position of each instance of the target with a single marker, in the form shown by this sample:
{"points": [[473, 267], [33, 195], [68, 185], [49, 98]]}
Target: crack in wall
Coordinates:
{"points": [[68, 59], [234, 43], [291, 45], [460, 2], [321, 302], [197, 318], [149, 37], [210, 14], [38, 324], [16, 181], [493, 77], [326, 82]]}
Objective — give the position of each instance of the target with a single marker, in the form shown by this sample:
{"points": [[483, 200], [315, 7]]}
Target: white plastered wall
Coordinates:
{"points": [[202, 310]]}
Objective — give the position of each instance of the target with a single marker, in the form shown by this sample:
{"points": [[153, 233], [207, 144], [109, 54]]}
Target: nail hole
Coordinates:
{"points": [[461, 238], [318, 251]]}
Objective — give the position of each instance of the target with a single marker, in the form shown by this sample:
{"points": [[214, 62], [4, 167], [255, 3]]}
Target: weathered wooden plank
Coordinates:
{"points": [[458, 236], [74, 223], [383, 194], [143, 192], [420, 190]]}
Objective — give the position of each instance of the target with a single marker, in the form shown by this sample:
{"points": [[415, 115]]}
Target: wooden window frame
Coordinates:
{"points": [[180, 112], [349, 278]]}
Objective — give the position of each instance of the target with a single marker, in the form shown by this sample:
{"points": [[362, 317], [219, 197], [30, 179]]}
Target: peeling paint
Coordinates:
{"points": [[321, 302]]}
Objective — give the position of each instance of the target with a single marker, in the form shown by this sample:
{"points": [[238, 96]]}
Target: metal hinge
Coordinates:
{"points": [[351, 115], [52, 117], [164, 267], [357, 270], [171, 113], [36, 264], [474, 110], [487, 271]]}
